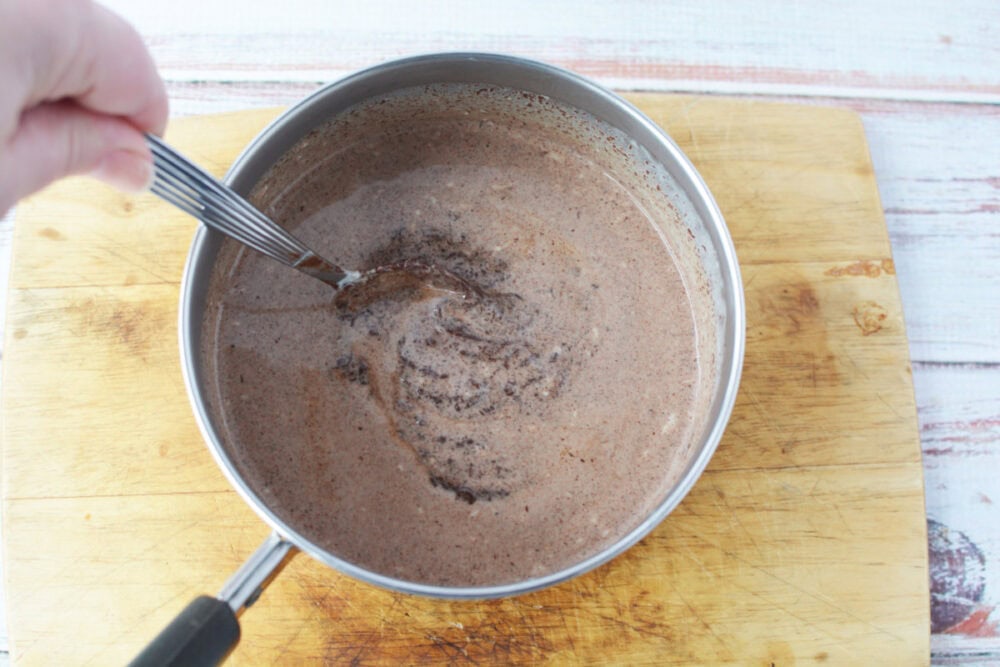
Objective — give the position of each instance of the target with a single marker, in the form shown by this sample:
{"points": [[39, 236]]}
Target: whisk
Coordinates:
{"points": [[190, 188]]}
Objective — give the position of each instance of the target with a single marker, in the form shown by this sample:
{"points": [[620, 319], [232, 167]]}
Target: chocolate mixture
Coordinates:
{"points": [[458, 436]]}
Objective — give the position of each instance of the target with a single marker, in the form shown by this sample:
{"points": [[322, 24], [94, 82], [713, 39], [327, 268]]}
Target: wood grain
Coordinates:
{"points": [[785, 550], [695, 591]]}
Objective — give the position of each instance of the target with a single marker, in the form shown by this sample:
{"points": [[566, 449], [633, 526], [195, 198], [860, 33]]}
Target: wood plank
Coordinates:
{"points": [[890, 48], [940, 184], [795, 558], [189, 98]]}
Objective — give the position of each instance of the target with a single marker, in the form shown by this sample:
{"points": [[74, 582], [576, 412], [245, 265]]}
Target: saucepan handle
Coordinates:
{"points": [[208, 630], [203, 634]]}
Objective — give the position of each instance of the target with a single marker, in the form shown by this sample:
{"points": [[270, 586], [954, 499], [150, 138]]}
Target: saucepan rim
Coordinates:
{"points": [[260, 153]]}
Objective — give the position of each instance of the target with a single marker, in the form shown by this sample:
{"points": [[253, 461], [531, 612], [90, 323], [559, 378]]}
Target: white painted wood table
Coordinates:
{"points": [[925, 77]]}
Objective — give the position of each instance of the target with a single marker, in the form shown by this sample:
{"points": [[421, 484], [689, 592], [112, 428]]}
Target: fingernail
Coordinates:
{"points": [[128, 171]]}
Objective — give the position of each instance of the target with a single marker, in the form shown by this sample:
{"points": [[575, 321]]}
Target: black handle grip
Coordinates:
{"points": [[201, 636]]}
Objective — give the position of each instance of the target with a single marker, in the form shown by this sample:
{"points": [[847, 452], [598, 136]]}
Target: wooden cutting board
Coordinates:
{"points": [[804, 541]]}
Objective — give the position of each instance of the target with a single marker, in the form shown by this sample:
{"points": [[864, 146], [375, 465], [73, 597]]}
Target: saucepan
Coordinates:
{"points": [[207, 630]]}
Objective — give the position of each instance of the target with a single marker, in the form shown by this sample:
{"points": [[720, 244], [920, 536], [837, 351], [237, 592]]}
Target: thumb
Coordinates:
{"points": [[58, 139]]}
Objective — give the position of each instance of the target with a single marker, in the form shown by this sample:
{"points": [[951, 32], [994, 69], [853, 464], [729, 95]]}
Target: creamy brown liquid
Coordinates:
{"points": [[449, 437]]}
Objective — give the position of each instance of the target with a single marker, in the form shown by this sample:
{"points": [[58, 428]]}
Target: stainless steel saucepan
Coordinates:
{"points": [[207, 630]]}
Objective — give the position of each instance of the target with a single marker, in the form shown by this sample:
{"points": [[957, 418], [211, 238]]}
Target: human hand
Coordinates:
{"points": [[77, 90]]}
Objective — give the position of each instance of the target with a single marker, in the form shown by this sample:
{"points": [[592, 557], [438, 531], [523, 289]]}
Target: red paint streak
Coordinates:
{"points": [[936, 451], [903, 107], [992, 181], [978, 425], [960, 452], [665, 71], [982, 208], [977, 624], [963, 439], [966, 439], [859, 105], [912, 211]]}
